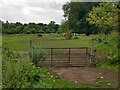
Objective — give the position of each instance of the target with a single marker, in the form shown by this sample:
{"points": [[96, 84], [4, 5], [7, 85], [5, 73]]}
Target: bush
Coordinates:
{"points": [[113, 58], [19, 74], [105, 42], [100, 40], [38, 55], [76, 37], [93, 62], [101, 82]]}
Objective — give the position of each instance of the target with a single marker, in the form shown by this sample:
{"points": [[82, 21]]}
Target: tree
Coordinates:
{"points": [[78, 13], [63, 27], [105, 16], [52, 26], [19, 27], [66, 9], [75, 14], [65, 24]]}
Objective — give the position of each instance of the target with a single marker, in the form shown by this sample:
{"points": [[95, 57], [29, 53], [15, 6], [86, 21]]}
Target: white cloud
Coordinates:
{"points": [[32, 10]]}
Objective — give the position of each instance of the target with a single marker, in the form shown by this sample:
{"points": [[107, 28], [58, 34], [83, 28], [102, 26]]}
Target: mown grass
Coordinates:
{"points": [[21, 43]]}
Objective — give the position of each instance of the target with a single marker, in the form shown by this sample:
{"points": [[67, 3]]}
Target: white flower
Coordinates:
{"points": [[101, 77], [109, 84], [76, 81], [51, 75]]}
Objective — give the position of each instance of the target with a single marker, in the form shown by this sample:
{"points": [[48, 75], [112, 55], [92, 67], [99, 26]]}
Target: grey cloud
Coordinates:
{"points": [[45, 5], [24, 11], [13, 13], [47, 14], [56, 5]]}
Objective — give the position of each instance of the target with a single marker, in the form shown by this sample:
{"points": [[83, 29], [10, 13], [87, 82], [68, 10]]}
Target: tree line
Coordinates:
{"points": [[30, 28]]}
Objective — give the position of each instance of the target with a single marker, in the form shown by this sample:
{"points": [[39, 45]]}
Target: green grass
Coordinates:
{"points": [[109, 67], [22, 43]]}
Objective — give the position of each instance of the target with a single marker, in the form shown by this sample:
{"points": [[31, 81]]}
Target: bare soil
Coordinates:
{"points": [[86, 74]]}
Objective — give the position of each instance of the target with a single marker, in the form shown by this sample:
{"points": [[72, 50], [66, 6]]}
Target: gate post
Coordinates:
{"points": [[69, 56], [33, 48], [51, 55], [87, 61], [86, 50], [30, 53]]}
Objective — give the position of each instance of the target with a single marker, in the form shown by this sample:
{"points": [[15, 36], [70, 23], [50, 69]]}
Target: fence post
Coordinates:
{"points": [[51, 55], [69, 56], [88, 57], [30, 48], [86, 50]]}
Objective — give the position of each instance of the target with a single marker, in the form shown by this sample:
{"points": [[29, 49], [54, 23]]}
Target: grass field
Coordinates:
{"points": [[21, 43]]}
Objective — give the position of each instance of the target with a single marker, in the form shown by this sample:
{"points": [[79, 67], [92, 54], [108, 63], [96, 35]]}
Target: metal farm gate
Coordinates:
{"points": [[66, 57]]}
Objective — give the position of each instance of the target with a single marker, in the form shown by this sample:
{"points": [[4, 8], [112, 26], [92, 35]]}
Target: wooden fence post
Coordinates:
{"points": [[30, 48], [51, 56], [86, 50], [88, 56], [32, 51], [69, 56]]}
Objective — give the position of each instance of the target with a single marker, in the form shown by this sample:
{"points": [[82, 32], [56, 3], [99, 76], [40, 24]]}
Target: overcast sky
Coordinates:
{"points": [[26, 11]]}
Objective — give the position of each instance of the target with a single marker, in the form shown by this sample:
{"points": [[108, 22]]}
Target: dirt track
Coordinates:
{"points": [[85, 74]]}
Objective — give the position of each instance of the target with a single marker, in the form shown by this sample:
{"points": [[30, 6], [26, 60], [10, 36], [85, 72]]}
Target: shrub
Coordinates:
{"points": [[105, 42], [100, 40], [38, 55], [20, 74], [93, 62], [101, 82], [113, 58], [9, 54], [76, 37]]}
